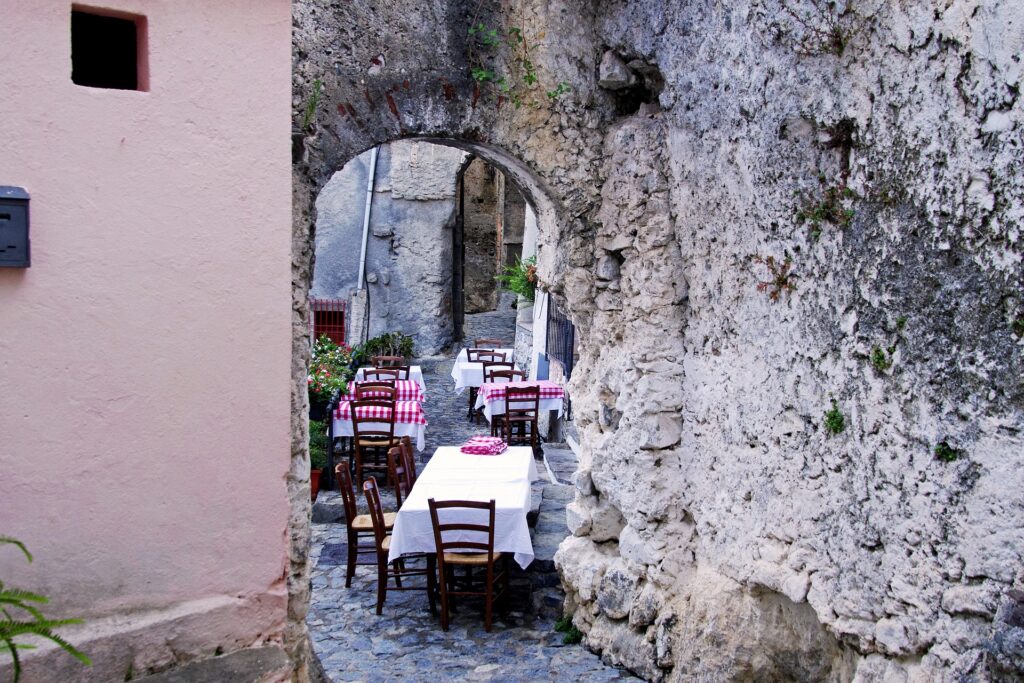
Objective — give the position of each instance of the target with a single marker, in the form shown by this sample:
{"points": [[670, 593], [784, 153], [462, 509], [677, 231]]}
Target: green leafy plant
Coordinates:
{"points": [[572, 635], [833, 207], [835, 422], [1017, 326], [329, 370], [945, 452], [901, 323], [317, 444], [880, 359], [387, 344], [520, 278], [781, 276], [502, 60], [312, 103], [21, 617]]}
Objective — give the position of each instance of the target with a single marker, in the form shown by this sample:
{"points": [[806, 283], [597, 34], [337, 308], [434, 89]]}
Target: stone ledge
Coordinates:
{"points": [[262, 664]]}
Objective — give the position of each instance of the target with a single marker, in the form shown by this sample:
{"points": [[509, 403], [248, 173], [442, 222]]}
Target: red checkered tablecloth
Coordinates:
{"points": [[408, 412], [495, 391], [405, 390]]}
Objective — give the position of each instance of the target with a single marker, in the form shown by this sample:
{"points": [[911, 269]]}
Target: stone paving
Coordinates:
{"points": [[406, 643]]}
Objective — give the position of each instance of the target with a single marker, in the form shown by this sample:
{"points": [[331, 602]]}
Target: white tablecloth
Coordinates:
{"points": [[497, 407], [452, 475], [468, 374], [463, 356], [415, 374], [416, 432]]}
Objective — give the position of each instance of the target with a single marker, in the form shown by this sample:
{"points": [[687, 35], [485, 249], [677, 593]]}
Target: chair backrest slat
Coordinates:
{"points": [[409, 457], [387, 361], [376, 389], [499, 376], [384, 374], [491, 367], [487, 343]]}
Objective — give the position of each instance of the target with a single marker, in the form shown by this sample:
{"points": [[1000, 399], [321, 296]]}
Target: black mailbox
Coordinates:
{"points": [[13, 227]]}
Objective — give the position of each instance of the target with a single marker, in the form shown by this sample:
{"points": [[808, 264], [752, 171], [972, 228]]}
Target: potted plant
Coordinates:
{"points": [[521, 278], [328, 375], [387, 344], [317, 455]]}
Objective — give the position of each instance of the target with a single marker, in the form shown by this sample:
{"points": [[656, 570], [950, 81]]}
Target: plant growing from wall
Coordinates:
{"points": [[835, 421], [880, 360], [520, 278], [502, 60], [821, 27], [311, 104], [945, 452], [572, 635], [1017, 327], [781, 277], [833, 206], [20, 616]]}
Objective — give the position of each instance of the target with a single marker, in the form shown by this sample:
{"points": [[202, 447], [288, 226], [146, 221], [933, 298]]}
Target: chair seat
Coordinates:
{"points": [[365, 522], [468, 558], [386, 545], [380, 443]]}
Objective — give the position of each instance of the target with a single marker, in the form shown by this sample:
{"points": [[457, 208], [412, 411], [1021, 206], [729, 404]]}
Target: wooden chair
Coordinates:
{"points": [[371, 440], [357, 526], [398, 472], [454, 551], [402, 370], [481, 356], [387, 361], [397, 570], [383, 374], [491, 366], [382, 390], [499, 375], [522, 406], [488, 343], [409, 457]]}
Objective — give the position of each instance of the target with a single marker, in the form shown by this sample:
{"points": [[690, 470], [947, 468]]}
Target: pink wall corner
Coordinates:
{"points": [[144, 357]]}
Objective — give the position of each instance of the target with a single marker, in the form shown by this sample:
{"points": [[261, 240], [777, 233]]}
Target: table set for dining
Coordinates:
{"points": [[467, 509]]}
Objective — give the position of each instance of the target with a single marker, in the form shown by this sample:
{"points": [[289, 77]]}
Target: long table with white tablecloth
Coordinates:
{"points": [[453, 475]]}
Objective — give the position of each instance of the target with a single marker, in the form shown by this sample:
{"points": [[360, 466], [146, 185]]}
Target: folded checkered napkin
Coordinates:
{"points": [[484, 445]]}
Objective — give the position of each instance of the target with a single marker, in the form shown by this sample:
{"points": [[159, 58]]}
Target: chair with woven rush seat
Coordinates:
{"points": [[490, 367], [454, 551], [397, 569], [501, 376], [378, 374], [373, 429], [522, 406], [357, 526], [382, 390], [481, 356]]}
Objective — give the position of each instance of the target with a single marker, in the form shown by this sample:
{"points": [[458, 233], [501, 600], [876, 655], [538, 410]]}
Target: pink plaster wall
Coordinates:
{"points": [[144, 357]]}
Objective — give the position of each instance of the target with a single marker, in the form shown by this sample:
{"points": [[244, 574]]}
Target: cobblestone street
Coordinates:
{"points": [[406, 643]]}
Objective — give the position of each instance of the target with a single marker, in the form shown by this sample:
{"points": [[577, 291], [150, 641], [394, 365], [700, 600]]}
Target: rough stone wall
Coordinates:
{"points": [[481, 224], [513, 221], [409, 248], [720, 532]]}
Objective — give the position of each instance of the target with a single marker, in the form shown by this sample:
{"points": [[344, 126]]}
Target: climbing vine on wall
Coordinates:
{"points": [[820, 27], [501, 61]]}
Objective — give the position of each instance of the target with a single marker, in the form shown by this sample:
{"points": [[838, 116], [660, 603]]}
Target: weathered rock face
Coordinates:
{"points": [[768, 207], [480, 226], [409, 243]]}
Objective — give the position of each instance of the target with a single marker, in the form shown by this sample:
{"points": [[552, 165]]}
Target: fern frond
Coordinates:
{"points": [[19, 594], [19, 544], [22, 606]]}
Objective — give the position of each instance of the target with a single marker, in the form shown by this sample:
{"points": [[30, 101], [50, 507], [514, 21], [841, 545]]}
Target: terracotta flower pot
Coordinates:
{"points": [[314, 483]]}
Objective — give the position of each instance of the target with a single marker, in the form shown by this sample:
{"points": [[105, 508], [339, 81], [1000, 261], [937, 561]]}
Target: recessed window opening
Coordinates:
{"points": [[108, 49]]}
